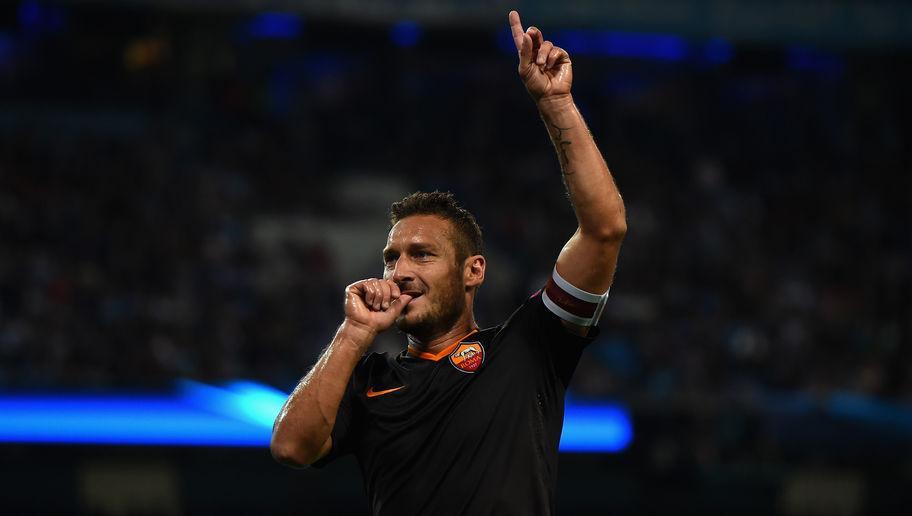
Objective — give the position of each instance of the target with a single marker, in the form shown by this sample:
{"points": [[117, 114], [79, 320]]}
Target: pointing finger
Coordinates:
{"points": [[516, 29]]}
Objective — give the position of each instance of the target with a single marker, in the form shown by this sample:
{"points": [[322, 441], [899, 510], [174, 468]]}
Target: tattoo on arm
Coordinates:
{"points": [[562, 145]]}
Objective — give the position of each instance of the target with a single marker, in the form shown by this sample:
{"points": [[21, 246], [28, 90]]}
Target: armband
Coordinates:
{"points": [[572, 304]]}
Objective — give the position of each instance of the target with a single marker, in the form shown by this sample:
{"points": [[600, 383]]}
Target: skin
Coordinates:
{"points": [[589, 258], [421, 258], [429, 293]]}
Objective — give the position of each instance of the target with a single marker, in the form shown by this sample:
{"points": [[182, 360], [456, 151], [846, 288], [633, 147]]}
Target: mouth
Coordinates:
{"points": [[414, 293]]}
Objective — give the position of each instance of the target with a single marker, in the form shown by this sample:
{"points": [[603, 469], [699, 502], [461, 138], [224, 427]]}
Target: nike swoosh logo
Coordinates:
{"points": [[372, 393]]}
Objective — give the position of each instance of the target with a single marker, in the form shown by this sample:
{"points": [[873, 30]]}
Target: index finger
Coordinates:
{"points": [[394, 289], [516, 29]]}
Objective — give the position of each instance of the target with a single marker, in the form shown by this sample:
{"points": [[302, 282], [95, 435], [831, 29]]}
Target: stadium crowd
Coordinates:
{"points": [[186, 205]]}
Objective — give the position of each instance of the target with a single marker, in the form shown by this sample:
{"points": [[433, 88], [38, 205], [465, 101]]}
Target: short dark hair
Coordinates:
{"points": [[467, 234]]}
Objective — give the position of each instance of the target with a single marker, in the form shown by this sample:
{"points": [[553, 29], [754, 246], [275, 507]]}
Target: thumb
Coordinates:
{"points": [[399, 303]]}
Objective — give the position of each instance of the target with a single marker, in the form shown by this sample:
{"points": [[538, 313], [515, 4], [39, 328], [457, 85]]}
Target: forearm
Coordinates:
{"points": [[595, 197], [589, 258], [306, 420]]}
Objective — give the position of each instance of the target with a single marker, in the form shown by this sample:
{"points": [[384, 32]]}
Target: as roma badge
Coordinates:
{"points": [[468, 356]]}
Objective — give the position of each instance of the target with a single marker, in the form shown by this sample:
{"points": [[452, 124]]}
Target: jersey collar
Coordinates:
{"points": [[415, 352]]}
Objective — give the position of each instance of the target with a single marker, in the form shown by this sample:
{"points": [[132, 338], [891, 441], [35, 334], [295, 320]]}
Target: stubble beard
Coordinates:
{"points": [[440, 317]]}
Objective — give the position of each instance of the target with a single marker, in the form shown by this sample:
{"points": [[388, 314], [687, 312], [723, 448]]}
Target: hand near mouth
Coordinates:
{"points": [[374, 304]]}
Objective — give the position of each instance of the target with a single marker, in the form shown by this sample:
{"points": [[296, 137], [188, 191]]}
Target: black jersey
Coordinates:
{"points": [[471, 430]]}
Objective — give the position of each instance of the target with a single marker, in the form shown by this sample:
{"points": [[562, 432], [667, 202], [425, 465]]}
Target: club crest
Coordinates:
{"points": [[468, 356]]}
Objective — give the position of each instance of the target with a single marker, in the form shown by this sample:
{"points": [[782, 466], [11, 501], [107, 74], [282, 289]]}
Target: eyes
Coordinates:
{"points": [[390, 259]]}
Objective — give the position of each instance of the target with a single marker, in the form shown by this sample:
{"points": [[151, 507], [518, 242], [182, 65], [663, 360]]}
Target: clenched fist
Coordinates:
{"points": [[374, 304]]}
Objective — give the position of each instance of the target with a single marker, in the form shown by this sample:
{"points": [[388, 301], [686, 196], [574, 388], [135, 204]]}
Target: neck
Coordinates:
{"points": [[435, 343]]}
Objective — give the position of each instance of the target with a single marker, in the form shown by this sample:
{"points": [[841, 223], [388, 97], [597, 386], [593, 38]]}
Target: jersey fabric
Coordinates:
{"points": [[472, 430]]}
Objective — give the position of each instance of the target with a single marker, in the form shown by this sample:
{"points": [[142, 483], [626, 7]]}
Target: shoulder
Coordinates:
{"points": [[535, 318], [486, 335], [528, 314]]}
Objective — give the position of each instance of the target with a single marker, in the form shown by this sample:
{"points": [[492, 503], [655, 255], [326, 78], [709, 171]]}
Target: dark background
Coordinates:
{"points": [[186, 188]]}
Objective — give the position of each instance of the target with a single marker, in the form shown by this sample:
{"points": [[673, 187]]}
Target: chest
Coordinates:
{"points": [[453, 402]]}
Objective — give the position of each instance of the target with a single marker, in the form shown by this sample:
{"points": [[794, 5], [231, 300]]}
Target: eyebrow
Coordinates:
{"points": [[413, 247]]}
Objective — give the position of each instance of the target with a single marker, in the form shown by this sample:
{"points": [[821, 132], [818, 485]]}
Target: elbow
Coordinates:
{"points": [[290, 453], [604, 226], [608, 233], [615, 233]]}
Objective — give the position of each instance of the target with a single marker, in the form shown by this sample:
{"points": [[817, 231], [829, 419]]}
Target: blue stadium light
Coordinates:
{"points": [[30, 14], [633, 45], [7, 48], [858, 407], [254, 403], [504, 40], [406, 34], [239, 413], [38, 18], [598, 428], [716, 51], [120, 420], [275, 25], [810, 59], [663, 47]]}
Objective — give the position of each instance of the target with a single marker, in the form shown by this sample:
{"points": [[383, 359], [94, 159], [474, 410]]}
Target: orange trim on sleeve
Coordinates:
{"points": [[413, 351]]}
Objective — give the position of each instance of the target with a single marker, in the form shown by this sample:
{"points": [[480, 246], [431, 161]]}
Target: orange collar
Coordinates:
{"points": [[414, 352]]}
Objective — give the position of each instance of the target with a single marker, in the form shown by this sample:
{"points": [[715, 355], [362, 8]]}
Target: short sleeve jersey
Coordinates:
{"points": [[471, 430]]}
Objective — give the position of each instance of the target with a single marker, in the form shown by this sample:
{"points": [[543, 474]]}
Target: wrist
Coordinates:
{"points": [[356, 334], [555, 105]]}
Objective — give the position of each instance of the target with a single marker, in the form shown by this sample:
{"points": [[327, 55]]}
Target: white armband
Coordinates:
{"points": [[572, 304]]}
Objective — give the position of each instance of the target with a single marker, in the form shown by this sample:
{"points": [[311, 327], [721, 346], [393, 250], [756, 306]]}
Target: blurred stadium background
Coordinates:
{"points": [[186, 187]]}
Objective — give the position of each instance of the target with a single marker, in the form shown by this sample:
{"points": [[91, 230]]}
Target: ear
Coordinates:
{"points": [[474, 270]]}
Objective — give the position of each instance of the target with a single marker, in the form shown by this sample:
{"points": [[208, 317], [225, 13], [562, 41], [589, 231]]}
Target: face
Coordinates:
{"points": [[421, 259]]}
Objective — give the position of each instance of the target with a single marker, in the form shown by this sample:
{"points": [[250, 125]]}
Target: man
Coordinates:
{"points": [[464, 421]]}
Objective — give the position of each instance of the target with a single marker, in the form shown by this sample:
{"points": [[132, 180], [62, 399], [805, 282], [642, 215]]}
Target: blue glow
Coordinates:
{"points": [[664, 47], [504, 40], [120, 420], [406, 34], [29, 13], [634, 45], [240, 413], [250, 402], [35, 18], [259, 403], [273, 25], [810, 59], [862, 408], [601, 428], [716, 51], [7, 48]]}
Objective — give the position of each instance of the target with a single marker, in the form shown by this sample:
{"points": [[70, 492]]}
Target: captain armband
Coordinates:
{"points": [[572, 304]]}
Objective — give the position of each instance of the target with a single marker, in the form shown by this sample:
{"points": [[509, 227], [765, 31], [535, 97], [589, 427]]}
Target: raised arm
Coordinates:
{"points": [[589, 258], [302, 431]]}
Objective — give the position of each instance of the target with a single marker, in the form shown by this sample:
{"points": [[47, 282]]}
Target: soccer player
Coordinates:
{"points": [[465, 420]]}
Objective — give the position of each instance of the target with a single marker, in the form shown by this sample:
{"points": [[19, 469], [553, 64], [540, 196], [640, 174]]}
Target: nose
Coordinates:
{"points": [[401, 272]]}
